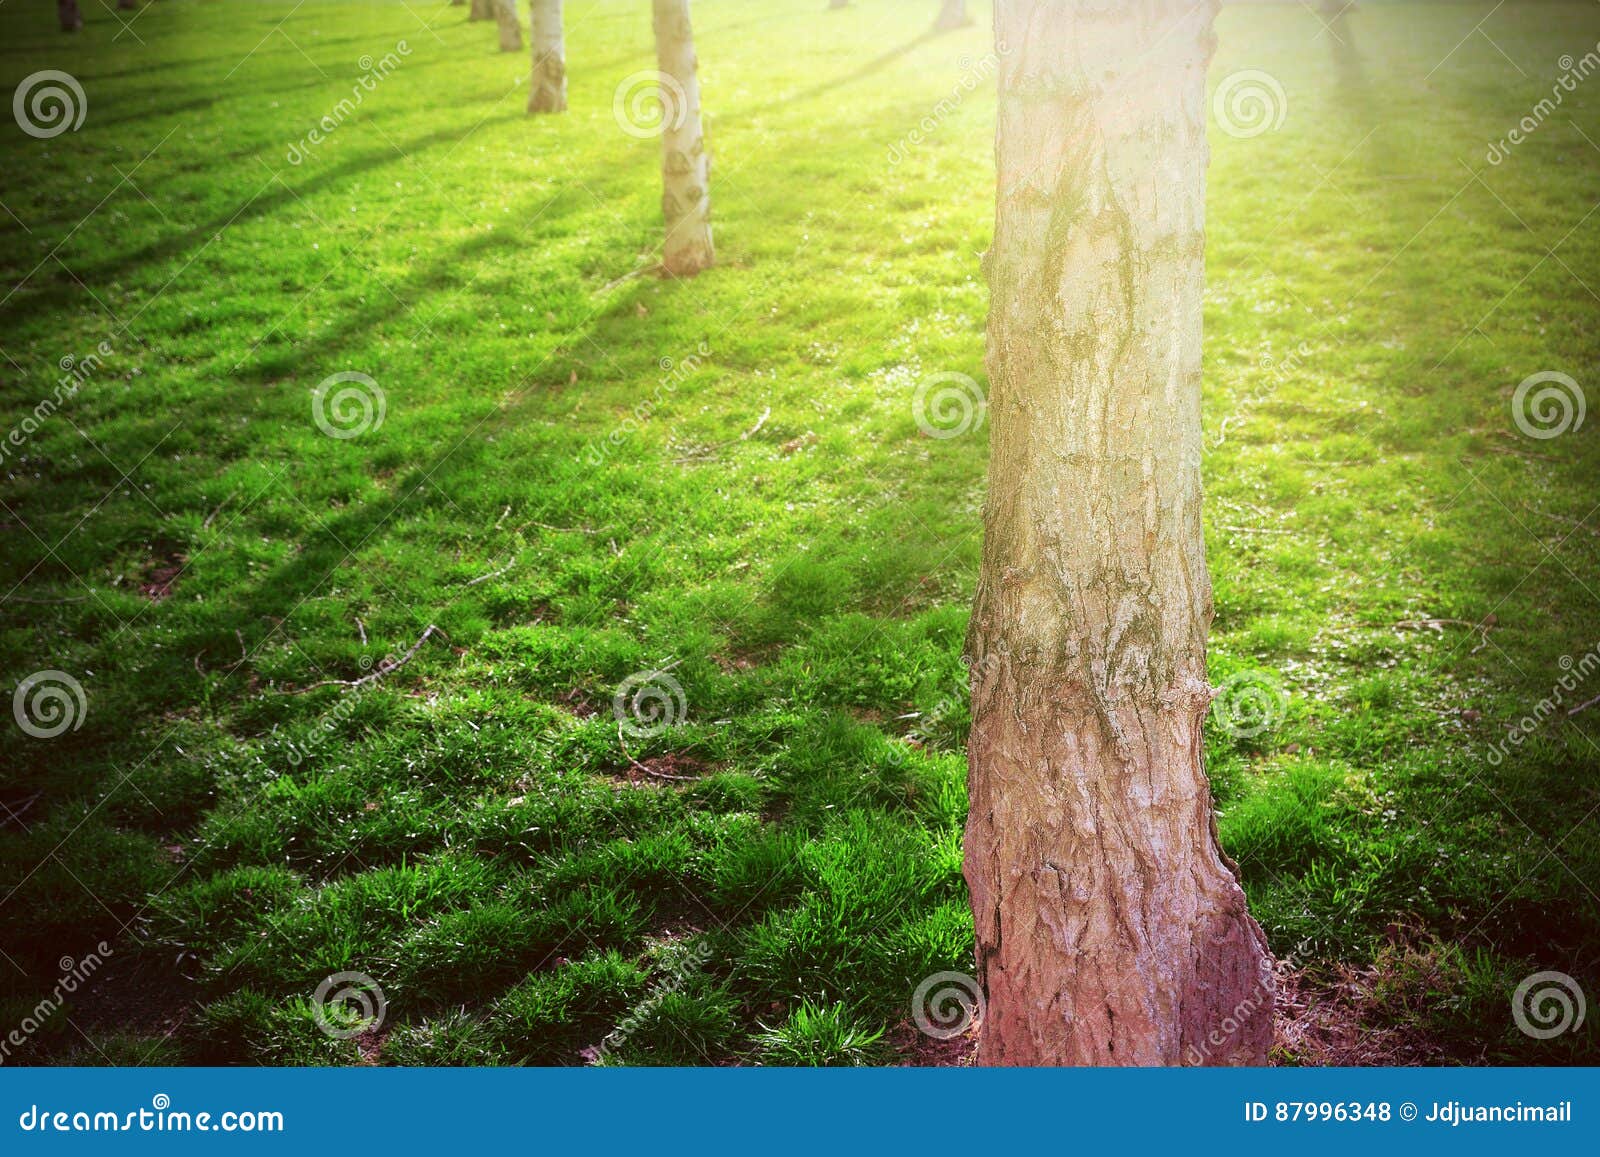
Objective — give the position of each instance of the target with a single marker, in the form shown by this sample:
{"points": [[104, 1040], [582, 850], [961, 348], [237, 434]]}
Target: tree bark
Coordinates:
{"points": [[505, 11], [685, 163], [481, 10], [547, 89], [1111, 929], [69, 16], [952, 14]]}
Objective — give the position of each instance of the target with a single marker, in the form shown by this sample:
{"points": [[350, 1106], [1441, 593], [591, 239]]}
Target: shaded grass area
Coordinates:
{"points": [[573, 482]]}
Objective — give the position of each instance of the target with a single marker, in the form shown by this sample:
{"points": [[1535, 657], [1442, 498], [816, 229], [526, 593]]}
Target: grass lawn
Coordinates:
{"points": [[586, 473]]}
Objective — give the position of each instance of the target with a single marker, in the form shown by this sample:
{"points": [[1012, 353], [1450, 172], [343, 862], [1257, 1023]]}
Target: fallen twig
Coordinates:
{"points": [[756, 429], [382, 669]]}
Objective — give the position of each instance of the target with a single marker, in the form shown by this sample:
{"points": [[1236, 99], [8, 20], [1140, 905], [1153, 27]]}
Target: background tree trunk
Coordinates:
{"points": [[1110, 927], [685, 163], [69, 16], [952, 14], [505, 11], [547, 90], [127, 3], [480, 10]]}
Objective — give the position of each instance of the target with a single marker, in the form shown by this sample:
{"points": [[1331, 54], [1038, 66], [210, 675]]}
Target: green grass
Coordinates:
{"points": [[570, 484]]}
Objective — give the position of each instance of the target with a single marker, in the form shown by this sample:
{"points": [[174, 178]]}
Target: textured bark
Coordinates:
{"points": [[69, 16], [547, 88], [1110, 927], [505, 12], [685, 162], [953, 14]]}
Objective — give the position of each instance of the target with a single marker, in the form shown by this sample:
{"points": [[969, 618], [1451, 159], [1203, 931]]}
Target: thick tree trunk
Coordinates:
{"points": [[1111, 929], [69, 16], [547, 90], [505, 11], [952, 14], [481, 10], [685, 163]]}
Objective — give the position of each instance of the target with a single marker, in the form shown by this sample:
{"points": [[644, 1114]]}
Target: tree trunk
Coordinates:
{"points": [[547, 90], [685, 163], [481, 10], [69, 16], [838, 3], [1111, 929], [127, 3], [952, 14], [505, 11]]}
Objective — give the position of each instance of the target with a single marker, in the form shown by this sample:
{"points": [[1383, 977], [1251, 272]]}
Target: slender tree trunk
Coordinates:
{"points": [[1110, 927], [69, 16], [481, 10], [547, 90], [953, 14], [505, 11], [685, 163]]}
